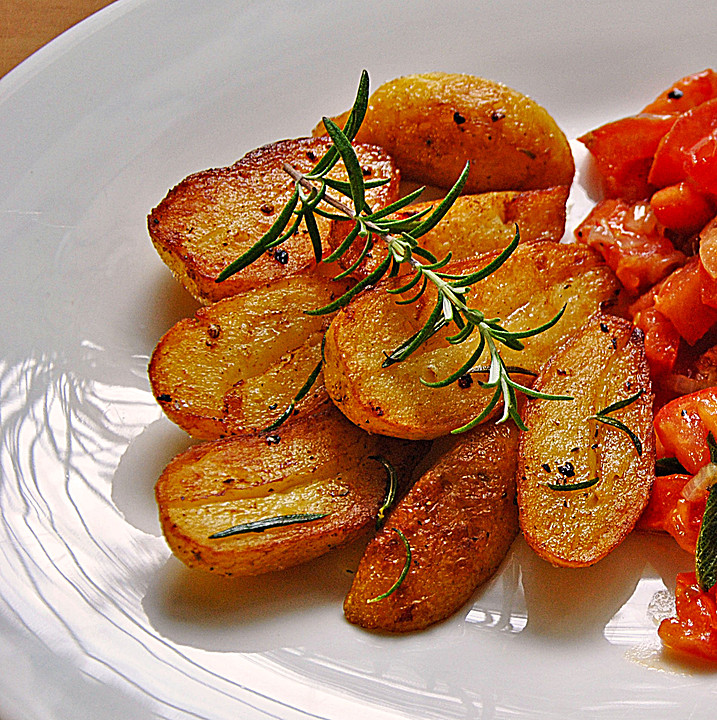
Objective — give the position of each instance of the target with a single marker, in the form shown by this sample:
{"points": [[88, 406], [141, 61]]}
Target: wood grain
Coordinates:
{"points": [[27, 25]]}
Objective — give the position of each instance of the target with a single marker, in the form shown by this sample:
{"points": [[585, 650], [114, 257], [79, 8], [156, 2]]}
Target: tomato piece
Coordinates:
{"points": [[701, 164], [682, 208], [623, 151], [686, 93], [673, 151], [665, 493], [694, 629], [662, 341], [632, 242], [682, 426], [680, 301]]}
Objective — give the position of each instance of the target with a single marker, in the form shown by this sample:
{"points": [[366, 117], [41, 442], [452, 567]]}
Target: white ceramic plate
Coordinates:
{"points": [[96, 619]]}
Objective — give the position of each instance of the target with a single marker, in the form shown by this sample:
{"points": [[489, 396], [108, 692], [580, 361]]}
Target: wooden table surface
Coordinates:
{"points": [[27, 25]]}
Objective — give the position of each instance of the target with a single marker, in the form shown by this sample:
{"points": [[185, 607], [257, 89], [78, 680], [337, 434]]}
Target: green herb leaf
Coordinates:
{"points": [[568, 487], [267, 524], [391, 487], [669, 466], [297, 398], [706, 553], [403, 574]]}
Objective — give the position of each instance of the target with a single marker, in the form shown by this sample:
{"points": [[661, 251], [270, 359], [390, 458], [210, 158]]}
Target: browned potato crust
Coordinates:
{"points": [[459, 519], [212, 217], [604, 363], [320, 465], [475, 224], [527, 291], [433, 123], [237, 365]]}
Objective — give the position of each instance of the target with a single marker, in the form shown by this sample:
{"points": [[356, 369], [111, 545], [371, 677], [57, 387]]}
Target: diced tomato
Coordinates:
{"points": [[682, 208], [685, 520], [665, 493], [682, 426], [632, 242], [694, 629], [680, 301], [708, 291], [623, 152], [686, 93], [701, 164], [673, 151], [662, 341]]}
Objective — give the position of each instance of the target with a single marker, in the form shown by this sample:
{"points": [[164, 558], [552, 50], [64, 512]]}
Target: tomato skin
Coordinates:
{"points": [[694, 629], [623, 151], [631, 241], [673, 151], [662, 341], [701, 164], [682, 426], [665, 493], [680, 301], [686, 93]]}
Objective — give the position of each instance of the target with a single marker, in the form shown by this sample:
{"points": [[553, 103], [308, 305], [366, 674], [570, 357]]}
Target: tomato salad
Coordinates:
{"points": [[657, 229]]}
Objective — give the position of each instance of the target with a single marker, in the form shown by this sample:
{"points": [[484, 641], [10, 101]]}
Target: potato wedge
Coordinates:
{"points": [[212, 217], [238, 364], [527, 291], [475, 224], [564, 445], [459, 519], [431, 124], [321, 465]]}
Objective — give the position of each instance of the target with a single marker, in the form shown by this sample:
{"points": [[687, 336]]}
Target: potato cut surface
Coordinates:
{"points": [[322, 465], [527, 291], [432, 123], [474, 225], [565, 445], [459, 519], [238, 364], [212, 217]]}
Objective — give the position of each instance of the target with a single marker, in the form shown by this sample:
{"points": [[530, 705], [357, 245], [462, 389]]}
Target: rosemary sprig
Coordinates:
{"points": [[566, 487], [297, 398], [267, 524], [400, 237], [403, 574], [391, 487], [602, 416], [706, 552]]}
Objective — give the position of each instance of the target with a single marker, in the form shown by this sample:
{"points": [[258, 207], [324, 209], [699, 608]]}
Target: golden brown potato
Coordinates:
{"points": [[432, 124], [212, 217], [475, 224], [527, 291], [238, 364], [459, 520], [322, 465], [564, 445]]}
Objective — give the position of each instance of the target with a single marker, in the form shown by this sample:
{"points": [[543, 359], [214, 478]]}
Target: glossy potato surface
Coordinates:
{"points": [[322, 465], [237, 364], [459, 519], [604, 363], [527, 291], [212, 217], [432, 123], [474, 225]]}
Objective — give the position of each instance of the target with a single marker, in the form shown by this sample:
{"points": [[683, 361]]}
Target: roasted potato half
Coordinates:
{"points": [[528, 290], [459, 520], [322, 466], [474, 225], [567, 447], [214, 216], [236, 366], [431, 124]]}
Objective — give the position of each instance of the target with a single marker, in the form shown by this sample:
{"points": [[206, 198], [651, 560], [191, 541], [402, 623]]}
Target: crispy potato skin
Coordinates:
{"points": [[212, 217], [433, 123], [320, 465], [528, 290], [459, 518], [603, 363], [474, 225]]}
